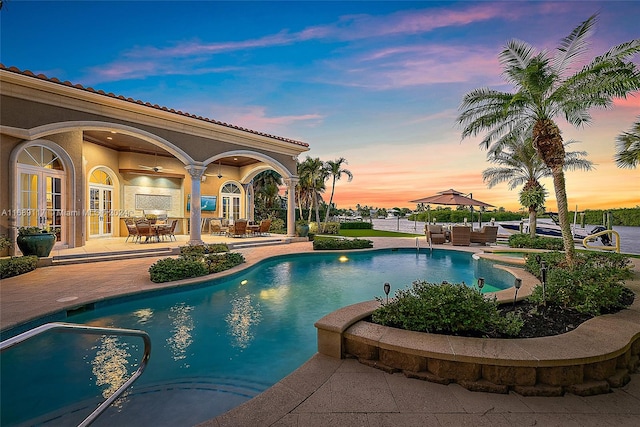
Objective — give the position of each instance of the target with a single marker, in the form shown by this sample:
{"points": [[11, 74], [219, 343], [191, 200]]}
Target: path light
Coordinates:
{"points": [[387, 289], [517, 284], [543, 276], [480, 283]]}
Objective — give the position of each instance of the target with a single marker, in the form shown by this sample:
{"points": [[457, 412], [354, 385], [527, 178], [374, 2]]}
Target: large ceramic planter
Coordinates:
{"points": [[302, 230], [39, 245]]}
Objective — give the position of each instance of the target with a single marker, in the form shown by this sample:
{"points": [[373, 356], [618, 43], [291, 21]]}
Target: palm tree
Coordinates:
{"points": [[312, 176], [335, 171], [520, 164], [265, 186], [628, 146], [544, 90]]}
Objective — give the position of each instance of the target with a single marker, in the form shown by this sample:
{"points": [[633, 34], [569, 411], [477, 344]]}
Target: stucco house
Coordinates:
{"points": [[78, 161]]}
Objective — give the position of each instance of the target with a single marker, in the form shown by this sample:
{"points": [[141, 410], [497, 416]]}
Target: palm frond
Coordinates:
{"points": [[574, 45]]}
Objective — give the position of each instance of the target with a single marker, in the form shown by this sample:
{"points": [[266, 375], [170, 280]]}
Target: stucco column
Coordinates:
{"points": [[196, 172], [291, 205]]}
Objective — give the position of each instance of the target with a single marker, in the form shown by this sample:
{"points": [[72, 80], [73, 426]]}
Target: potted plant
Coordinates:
{"points": [[302, 228], [35, 241]]}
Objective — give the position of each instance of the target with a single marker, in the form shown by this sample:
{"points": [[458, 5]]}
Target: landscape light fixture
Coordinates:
{"points": [[517, 284], [480, 283], [543, 277], [387, 289]]}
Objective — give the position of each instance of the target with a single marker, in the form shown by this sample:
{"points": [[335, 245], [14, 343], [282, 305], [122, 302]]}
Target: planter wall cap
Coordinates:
{"points": [[341, 319]]}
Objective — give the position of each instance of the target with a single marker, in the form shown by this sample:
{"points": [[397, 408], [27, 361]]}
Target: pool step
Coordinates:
{"points": [[112, 256]]}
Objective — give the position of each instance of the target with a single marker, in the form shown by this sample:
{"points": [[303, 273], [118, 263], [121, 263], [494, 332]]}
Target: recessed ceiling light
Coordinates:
{"points": [[109, 138], [235, 158]]}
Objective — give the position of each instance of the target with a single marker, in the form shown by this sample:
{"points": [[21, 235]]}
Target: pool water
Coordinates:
{"points": [[213, 346]]}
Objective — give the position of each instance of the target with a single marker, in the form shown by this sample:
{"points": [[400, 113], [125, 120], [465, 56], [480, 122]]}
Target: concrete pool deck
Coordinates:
{"points": [[324, 391]]}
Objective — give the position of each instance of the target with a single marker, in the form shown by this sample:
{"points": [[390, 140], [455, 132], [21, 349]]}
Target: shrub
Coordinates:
{"points": [[194, 264], [221, 262], [199, 251], [330, 243], [525, 241], [328, 228], [169, 269], [445, 308], [15, 266], [595, 285], [277, 226], [356, 225]]}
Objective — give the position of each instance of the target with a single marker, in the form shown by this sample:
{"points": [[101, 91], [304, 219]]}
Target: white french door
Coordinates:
{"points": [[41, 199], [231, 201], [100, 209]]}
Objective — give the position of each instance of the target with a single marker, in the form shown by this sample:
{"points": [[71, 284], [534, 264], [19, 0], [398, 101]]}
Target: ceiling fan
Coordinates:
{"points": [[219, 175], [157, 168]]}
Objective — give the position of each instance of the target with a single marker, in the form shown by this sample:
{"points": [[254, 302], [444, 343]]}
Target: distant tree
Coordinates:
{"points": [[335, 171], [628, 147]]}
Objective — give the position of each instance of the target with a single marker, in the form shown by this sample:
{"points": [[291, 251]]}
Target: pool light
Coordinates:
{"points": [[343, 258], [244, 282]]}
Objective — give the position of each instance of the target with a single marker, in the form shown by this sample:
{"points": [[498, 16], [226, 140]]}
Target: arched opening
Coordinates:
{"points": [[100, 203], [41, 185]]}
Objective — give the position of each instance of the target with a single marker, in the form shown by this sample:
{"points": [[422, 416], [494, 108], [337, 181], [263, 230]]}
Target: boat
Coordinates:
{"points": [[552, 229]]}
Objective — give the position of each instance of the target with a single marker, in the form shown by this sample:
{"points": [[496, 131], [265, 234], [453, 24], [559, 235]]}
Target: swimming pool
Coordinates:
{"points": [[215, 345]]}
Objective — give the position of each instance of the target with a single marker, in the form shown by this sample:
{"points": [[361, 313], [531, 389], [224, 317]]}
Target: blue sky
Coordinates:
{"points": [[378, 83]]}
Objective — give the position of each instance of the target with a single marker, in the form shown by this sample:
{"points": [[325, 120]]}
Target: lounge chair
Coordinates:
{"points": [[487, 234], [460, 235], [215, 227], [146, 230], [168, 230], [238, 229], [435, 234], [131, 228], [265, 225]]}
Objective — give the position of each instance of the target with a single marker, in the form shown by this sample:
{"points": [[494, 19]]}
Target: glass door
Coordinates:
{"points": [[231, 201], [40, 201], [100, 208]]}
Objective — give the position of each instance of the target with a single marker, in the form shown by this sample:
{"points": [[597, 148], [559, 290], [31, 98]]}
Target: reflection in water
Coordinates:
{"points": [[240, 320], [110, 365], [182, 327], [143, 315], [275, 295]]}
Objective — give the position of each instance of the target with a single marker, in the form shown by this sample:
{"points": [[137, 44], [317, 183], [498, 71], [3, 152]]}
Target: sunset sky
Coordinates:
{"points": [[378, 83]]}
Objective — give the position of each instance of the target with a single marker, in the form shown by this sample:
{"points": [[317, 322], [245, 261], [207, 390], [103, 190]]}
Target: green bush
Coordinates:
{"points": [[221, 262], [329, 228], [595, 285], [170, 269], [330, 243], [445, 308], [525, 241], [356, 225], [199, 251], [277, 226], [194, 264], [15, 266]]}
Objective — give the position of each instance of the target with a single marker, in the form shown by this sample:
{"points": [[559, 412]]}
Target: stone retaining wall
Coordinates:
{"points": [[589, 360]]}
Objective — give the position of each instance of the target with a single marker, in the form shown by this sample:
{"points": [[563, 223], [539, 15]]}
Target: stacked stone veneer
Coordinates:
{"points": [[591, 359]]}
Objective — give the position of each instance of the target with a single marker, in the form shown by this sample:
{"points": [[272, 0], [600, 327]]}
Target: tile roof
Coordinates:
{"points": [[146, 104]]}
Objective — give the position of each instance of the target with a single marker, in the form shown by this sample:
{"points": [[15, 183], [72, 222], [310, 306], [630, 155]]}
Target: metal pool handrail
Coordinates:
{"points": [[93, 330], [586, 240]]}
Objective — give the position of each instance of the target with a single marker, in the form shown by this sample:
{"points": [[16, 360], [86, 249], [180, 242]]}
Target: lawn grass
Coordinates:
{"points": [[376, 233]]}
